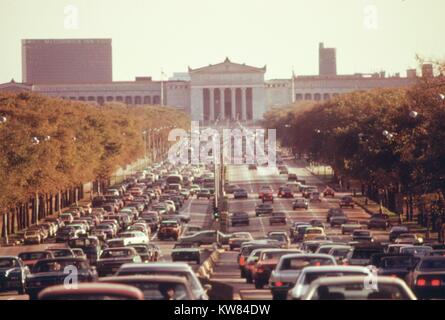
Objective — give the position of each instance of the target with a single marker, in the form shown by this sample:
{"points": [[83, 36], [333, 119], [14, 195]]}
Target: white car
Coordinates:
{"points": [[359, 288], [170, 205], [134, 237], [310, 274]]}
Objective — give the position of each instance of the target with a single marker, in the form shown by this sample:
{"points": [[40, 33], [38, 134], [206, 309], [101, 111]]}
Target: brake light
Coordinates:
{"points": [[259, 269], [278, 284], [317, 264], [421, 282], [241, 261], [436, 282]]}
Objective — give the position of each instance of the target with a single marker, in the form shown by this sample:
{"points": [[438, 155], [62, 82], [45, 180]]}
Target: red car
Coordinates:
{"points": [[328, 192], [267, 196]]}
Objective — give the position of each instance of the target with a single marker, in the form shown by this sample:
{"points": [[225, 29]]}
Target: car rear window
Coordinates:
{"points": [[302, 262], [432, 265]]}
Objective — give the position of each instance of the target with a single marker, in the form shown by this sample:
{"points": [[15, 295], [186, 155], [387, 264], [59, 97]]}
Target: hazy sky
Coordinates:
{"points": [[370, 35]]}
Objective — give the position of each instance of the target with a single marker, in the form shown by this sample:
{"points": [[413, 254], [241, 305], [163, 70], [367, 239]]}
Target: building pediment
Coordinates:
{"points": [[227, 67]]}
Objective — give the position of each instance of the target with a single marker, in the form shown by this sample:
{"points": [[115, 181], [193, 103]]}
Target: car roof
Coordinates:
{"points": [[163, 266], [356, 279], [335, 268], [145, 278], [93, 288]]}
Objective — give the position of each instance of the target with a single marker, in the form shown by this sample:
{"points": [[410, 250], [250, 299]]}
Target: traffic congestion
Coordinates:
{"points": [[286, 236]]}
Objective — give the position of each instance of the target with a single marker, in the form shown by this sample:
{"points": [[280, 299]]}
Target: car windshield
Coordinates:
{"points": [[396, 262], [312, 276], [432, 264], [83, 243], [314, 231], [162, 290], [8, 263], [359, 291], [62, 253], [58, 265], [33, 255], [302, 262], [115, 254], [363, 253]]}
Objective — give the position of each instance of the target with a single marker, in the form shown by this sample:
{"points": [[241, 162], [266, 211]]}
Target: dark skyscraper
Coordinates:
{"points": [[327, 61], [67, 61]]}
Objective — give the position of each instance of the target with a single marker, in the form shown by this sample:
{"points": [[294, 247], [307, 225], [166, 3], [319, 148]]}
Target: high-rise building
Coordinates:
{"points": [[66, 61], [327, 61]]}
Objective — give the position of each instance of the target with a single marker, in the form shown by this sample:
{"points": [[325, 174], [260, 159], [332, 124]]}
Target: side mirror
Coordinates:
{"points": [[207, 287]]}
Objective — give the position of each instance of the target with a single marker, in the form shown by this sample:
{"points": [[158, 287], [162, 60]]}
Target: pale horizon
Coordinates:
{"points": [[150, 35]]}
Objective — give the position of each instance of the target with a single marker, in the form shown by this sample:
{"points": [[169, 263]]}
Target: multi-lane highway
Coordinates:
{"points": [[252, 180]]}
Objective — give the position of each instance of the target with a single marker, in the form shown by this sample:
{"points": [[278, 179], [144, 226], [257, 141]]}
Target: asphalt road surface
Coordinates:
{"points": [[252, 180]]}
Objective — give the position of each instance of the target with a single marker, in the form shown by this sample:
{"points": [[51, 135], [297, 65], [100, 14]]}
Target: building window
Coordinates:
{"points": [[100, 100], [326, 96], [298, 96], [308, 96], [147, 100], [119, 99], [129, 100], [156, 100], [110, 98], [317, 97], [137, 100], [91, 98]]}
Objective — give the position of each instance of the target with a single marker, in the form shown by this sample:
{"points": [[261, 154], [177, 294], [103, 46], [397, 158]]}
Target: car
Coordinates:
{"points": [[143, 251], [285, 192], [350, 226], [29, 258], [239, 219], [61, 252], [292, 177], [169, 229], [362, 235], [396, 231], [294, 226], [180, 269], [13, 274], [409, 238], [328, 192], [316, 223], [154, 251], [278, 217], [288, 269], [378, 221], [186, 252], [340, 252], [203, 193], [247, 252], [238, 238], [263, 208], [338, 221], [315, 197], [91, 291], [416, 250], [300, 204], [310, 274], [157, 287], [267, 197], [308, 190], [252, 167], [299, 232], [346, 201], [111, 259], [135, 237], [427, 279], [332, 212], [266, 262], [358, 288], [54, 271], [32, 237], [206, 237], [281, 237], [230, 188], [394, 265], [240, 193], [361, 253], [312, 233]]}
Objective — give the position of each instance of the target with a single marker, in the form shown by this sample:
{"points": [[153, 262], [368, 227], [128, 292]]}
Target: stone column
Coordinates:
{"points": [[233, 103], [243, 104], [222, 106], [212, 104]]}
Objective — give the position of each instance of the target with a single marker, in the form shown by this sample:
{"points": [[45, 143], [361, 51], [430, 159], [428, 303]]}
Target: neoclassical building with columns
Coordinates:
{"points": [[227, 91], [224, 91]]}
